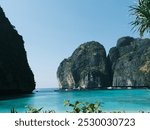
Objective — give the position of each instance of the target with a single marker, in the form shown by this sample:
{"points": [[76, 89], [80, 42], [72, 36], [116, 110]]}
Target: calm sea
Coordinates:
{"points": [[111, 100]]}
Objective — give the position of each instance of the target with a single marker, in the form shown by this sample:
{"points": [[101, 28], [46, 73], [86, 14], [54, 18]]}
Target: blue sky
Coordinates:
{"points": [[53, 29]]}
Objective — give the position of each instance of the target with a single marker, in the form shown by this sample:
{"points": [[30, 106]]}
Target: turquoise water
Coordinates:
{"points": [[112, 100]]}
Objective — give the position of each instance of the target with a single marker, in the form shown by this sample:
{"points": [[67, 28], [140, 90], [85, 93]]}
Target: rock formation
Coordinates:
{"points": [[15, 73], [130, 62], [127, 64], [86, 68]]}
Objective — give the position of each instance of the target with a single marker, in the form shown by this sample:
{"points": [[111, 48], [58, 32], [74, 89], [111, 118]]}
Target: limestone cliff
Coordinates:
{"points": [[130, 62], [86, 68], [15, 73], [127, 64]]}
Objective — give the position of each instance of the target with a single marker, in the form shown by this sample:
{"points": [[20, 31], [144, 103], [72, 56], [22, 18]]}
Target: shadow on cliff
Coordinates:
{"points": [[16, 76]]}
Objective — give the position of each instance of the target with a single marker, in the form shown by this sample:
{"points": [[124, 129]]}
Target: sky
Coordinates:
{"points": [[53, 29]]}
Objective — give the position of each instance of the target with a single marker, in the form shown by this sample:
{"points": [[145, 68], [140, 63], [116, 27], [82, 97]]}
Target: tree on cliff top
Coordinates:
{"points": [[141, 11]]}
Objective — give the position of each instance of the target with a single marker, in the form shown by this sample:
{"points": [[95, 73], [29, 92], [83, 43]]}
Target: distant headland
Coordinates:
{"points": [[126, 66]]}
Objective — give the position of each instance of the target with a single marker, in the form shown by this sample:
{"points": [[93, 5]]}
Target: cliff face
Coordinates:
{"points": [[86, 68], [127, 64], [130, 62], [15, 73]]}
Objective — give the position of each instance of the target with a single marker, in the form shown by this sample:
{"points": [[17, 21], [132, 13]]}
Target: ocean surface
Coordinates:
{"points": [[111, 100]]}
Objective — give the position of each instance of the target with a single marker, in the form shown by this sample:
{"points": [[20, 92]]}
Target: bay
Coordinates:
{"points": [[133, 100]]}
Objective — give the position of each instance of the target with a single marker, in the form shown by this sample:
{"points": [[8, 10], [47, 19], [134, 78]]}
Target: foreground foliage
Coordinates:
{"points": [[77, 107], [83, 107], [31, 109]]}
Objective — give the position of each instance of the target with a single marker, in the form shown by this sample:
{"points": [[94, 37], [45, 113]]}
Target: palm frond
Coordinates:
{"points": [[141, 11]]}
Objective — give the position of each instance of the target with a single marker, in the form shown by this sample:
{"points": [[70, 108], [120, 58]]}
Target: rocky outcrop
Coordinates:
{"points": [[15, 73], [86, 68], [130, 62], [127, 64]]}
